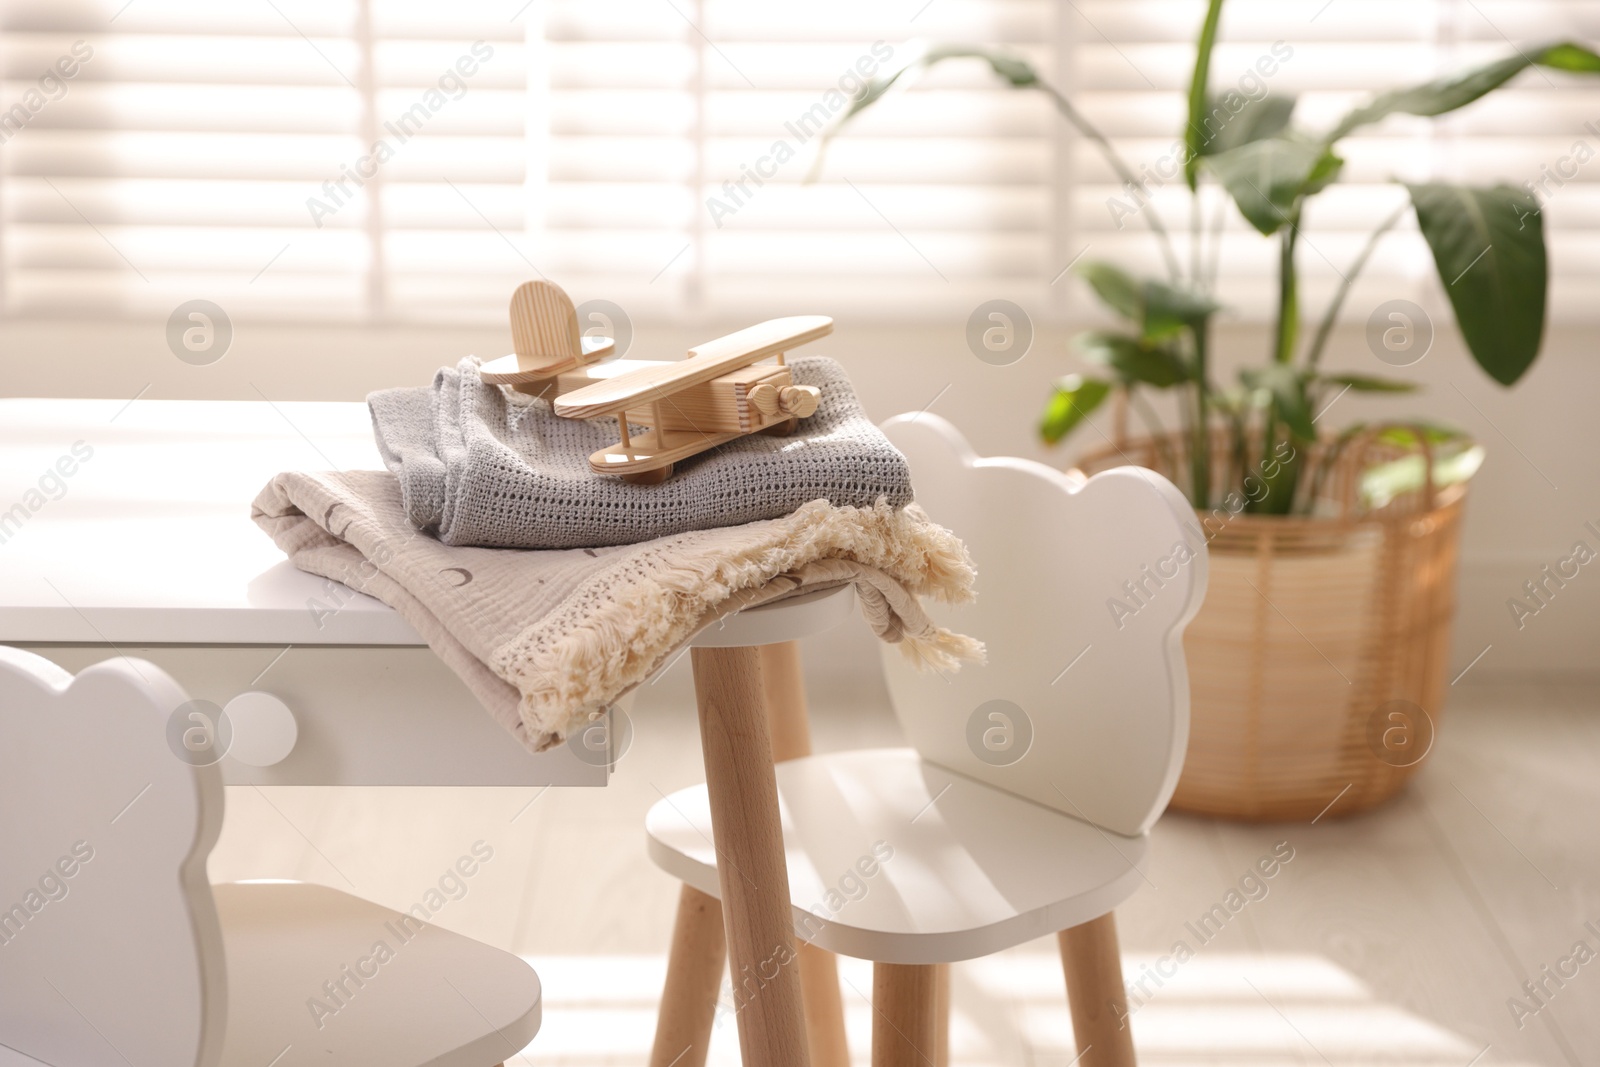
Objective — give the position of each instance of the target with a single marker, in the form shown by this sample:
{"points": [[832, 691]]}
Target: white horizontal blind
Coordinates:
{"points": [[615, 146], [311, 158], [681, 133], [1131, 61]]}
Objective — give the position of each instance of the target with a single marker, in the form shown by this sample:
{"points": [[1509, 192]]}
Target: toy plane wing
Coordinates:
{"points": [[705, 362]]}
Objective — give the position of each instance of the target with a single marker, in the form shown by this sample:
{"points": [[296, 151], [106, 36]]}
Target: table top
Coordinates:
{"points": [[130, 523]]}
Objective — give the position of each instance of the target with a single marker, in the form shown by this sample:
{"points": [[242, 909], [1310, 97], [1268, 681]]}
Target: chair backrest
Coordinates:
{"points": [[110, 951], [1084, 588]]}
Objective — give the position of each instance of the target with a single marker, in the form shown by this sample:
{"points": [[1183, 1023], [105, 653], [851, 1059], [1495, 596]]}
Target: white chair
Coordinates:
{"points": [[1022, 806], [114, 949]]}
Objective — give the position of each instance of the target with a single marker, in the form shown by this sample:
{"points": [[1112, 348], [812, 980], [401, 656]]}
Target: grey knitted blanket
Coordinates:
{"points": [[483, 466]]}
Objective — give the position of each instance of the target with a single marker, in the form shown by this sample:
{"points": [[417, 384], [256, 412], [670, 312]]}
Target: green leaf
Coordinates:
{"points": [[1266, 177], [1159, 309], [1287, 388], [1168, 309], [1366, 383], [1015, 70], [1382, 483], [1492, 263], [1194, 133], [1075, 397], [1260, 118], [1323, 173], [1116, 288], [1133, 359], [1570, 57], [1458, 90], [1433, 432]]}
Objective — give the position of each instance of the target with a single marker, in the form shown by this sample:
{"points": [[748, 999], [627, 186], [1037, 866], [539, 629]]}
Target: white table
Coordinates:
{"points": [[140, 543], [146, 548]]}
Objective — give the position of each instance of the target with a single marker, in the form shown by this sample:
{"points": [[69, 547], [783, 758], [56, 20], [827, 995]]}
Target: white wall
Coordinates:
{"points": [[1528, 505]]}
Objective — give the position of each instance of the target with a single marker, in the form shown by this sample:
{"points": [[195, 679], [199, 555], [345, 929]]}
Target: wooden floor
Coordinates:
{"points": [[1397, 938]]}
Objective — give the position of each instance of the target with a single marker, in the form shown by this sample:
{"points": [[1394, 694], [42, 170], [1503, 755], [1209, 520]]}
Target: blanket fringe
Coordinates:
{"points": [[565, 677]]}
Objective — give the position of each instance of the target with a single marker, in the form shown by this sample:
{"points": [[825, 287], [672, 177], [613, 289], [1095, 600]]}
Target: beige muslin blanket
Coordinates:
{"points": [[547, 638]]}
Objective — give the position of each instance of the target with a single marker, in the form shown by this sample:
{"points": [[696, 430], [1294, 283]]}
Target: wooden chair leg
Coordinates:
{"points": [[785, 687], [824, 1007], [904, 1002], [790, 729], [694, 973], [1099, 1001], [941, 1016], [745, 828]]}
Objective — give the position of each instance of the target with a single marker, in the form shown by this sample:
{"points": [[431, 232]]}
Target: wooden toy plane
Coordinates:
{"points": [[724, 389]]}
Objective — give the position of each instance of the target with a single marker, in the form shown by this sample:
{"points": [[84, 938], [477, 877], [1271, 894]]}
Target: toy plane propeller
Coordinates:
{"points": [[723, 390]]}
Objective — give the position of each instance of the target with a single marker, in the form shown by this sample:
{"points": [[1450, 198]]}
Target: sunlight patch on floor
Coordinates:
{"points": [[1227, 1009], [1263, 1010]]}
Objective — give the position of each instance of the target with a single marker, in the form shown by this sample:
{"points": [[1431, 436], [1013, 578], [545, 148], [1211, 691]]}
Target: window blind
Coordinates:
{"points": [[652, 152], [317, 158], [682, 132]]}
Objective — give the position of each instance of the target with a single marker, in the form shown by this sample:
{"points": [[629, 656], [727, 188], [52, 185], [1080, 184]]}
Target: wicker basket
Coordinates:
{"points": [[1317, 662]]}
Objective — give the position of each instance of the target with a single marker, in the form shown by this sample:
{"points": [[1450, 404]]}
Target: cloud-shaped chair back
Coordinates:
{"points": [[110, 950], [1084, 588]]}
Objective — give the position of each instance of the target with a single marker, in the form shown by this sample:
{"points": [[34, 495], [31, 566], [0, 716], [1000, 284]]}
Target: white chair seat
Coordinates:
{"points": [[440, 1000], [973, 869]]}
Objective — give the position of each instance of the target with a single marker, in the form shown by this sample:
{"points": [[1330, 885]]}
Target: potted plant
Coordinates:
{"points": [[1317, 662]]}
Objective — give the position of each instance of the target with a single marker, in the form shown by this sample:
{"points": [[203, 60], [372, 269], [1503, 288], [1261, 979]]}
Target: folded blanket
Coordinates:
{"points": [[480, 465], [547, 639]]}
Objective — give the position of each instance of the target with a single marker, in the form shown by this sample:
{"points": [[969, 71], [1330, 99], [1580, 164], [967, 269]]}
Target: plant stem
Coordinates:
{"points": [[1200, 446], [1185, 436], [1269, 440], [1153, 426], [1219, 219], [1195, 205], [1194, 128], [1236, 423], [1320, 341], [1319, 476], [1085, 127], [1288, 292]]}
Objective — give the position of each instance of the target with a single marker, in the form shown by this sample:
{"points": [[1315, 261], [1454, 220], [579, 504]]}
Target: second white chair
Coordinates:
{"points": [[1021, 807], [114, 948]]}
